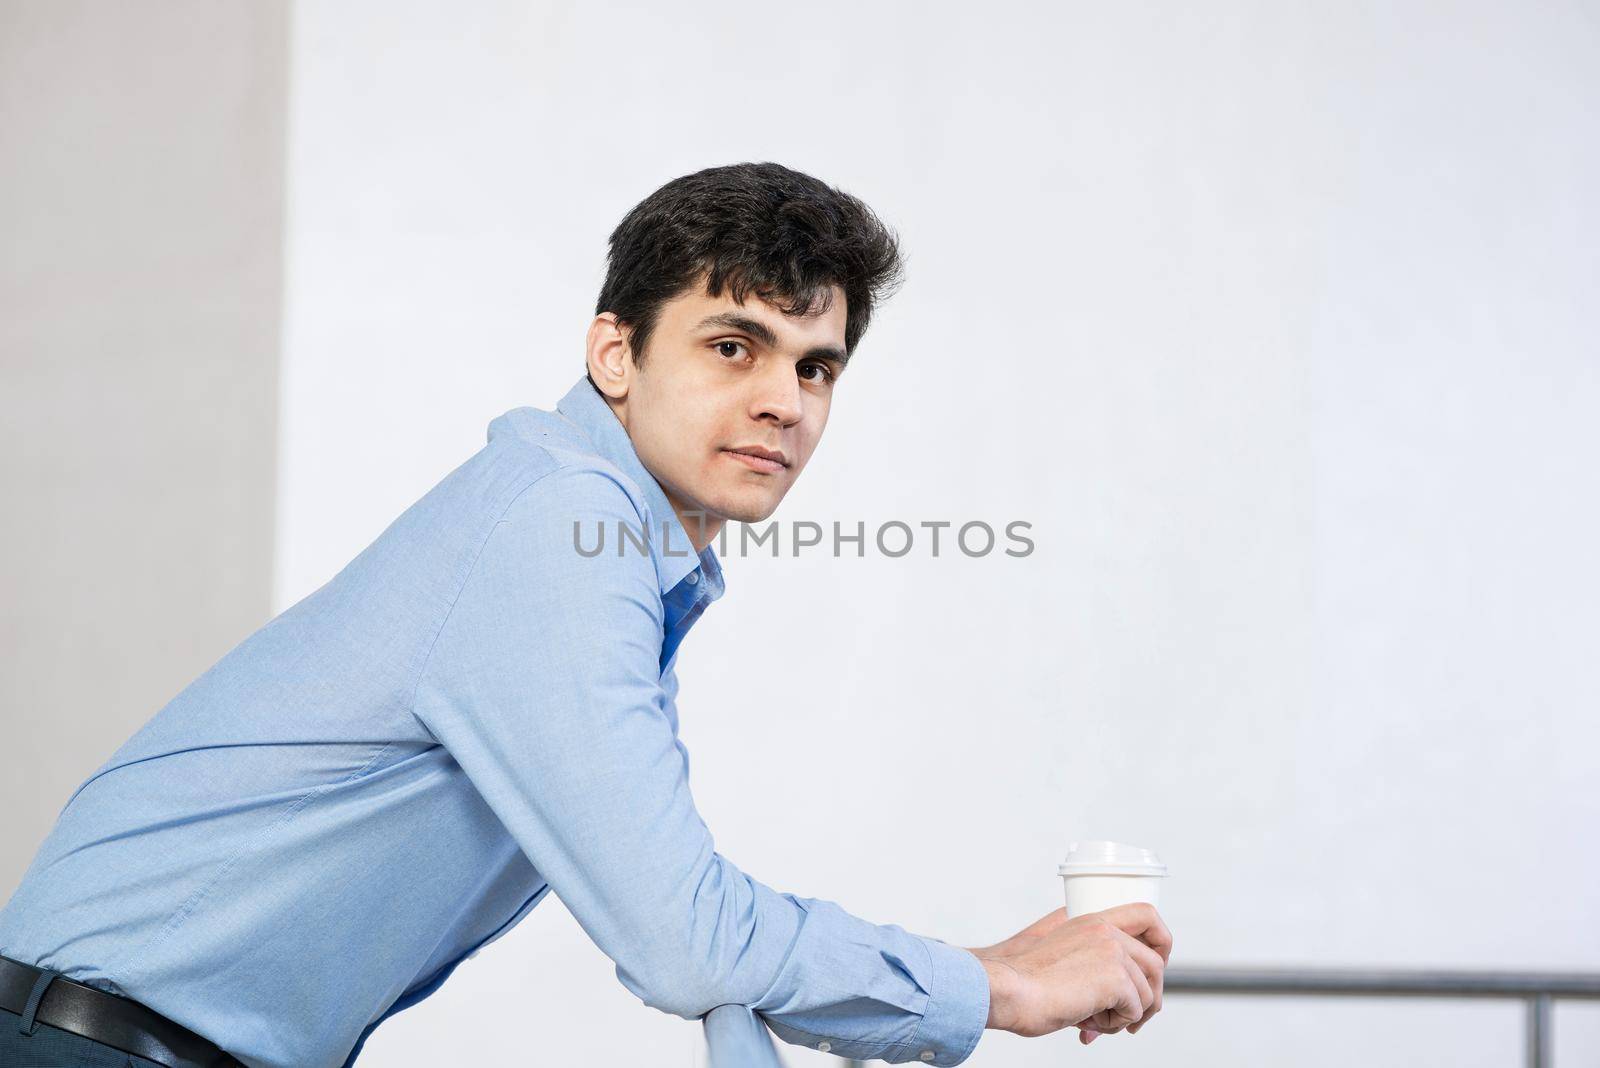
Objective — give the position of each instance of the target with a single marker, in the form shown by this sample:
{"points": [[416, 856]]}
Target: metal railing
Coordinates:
{"points": [[736, 1036], [1537, 990]]}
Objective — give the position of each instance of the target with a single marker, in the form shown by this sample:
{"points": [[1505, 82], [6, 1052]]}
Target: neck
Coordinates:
{"points": [[700, 527]]}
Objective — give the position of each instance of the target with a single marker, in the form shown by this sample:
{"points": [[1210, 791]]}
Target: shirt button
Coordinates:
{"points": [[927, 1055], [824, 1046], [694, 576]]}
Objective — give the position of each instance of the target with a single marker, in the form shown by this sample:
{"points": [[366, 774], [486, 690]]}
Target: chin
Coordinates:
{"points": [[748, 511]]}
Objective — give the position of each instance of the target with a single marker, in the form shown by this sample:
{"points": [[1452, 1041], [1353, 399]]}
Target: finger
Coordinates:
{"points": [[1148, 959], [1133, 1029], [1109, 1022], [1141, 920], [1126, 1008], [1161, 990], [1142, 987], [1104, 1023], [1159, 987], [1087, 1035]]}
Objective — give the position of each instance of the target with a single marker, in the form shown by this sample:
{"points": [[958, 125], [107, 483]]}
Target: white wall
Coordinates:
{"points": [[1277, 325]]}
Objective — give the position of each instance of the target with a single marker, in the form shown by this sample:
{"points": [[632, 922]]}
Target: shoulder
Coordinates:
{"points": [[530, 469], [576, 519], [575, 486]]}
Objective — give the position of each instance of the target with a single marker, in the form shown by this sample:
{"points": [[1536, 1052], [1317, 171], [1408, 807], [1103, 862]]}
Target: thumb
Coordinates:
{"points": [[1087, 1035]]}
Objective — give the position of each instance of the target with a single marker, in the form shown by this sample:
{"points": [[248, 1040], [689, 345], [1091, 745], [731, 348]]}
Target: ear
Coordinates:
{"points": [[609, 358]]}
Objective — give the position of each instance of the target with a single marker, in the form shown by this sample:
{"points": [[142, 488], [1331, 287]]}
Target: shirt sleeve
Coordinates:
{"points": [[545, 684]]}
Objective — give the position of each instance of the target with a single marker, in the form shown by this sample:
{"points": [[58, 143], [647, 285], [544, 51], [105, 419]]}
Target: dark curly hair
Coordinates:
{"points": [[750, 227]]}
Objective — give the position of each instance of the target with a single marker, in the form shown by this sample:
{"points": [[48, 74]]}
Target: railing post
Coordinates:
{"points": [[1538, 1031]]}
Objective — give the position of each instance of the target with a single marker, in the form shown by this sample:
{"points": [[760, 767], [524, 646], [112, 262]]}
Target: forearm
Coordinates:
{"points": [[875, 992]]}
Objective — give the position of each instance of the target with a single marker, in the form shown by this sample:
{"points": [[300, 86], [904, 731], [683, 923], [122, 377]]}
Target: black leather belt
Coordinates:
{"points": [[115, 1021]]}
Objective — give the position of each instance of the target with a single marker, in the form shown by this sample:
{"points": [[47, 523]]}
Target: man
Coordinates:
{"points": [[480, 709]]}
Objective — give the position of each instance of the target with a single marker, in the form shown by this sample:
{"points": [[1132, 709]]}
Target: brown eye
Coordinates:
{"points": [[827, 373], [735, 344]]}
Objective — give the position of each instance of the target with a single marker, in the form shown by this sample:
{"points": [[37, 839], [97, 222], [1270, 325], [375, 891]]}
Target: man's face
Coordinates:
{"points": [[720, 377]]}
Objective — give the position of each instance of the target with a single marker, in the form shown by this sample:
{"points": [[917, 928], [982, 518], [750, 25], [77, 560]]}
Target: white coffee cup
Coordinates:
{"points": [[1101, 875]]}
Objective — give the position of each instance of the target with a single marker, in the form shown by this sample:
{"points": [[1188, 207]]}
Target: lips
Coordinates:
{"points": [[763, 453]]}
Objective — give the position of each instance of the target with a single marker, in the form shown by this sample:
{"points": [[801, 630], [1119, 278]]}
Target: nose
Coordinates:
{"points": [[777, 395]]}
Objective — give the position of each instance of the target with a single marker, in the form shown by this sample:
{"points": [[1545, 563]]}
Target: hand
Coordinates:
{"points": [[1102, 972]]}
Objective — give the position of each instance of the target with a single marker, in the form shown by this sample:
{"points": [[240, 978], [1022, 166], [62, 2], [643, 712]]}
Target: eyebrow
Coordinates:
{"points": [[763, 333]]}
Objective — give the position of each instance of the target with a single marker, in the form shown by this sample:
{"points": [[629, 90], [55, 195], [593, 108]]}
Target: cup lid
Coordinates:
{"points": [[1100, 857]]}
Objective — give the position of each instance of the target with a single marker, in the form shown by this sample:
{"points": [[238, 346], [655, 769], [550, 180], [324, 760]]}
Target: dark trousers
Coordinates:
{"points": [[48, 1047]]}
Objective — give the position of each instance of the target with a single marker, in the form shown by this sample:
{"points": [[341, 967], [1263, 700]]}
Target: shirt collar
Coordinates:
{"points": [[676, 559]]}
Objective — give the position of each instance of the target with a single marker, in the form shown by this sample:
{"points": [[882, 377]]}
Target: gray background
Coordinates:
{"points": [[1277, 323], [141, 235]]}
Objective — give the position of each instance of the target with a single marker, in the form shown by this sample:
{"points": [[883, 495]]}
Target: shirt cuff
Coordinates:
{"points": [[958, 1005]]}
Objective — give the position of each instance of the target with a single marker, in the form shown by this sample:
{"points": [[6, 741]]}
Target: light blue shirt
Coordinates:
{"points": [[391, 773]]}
